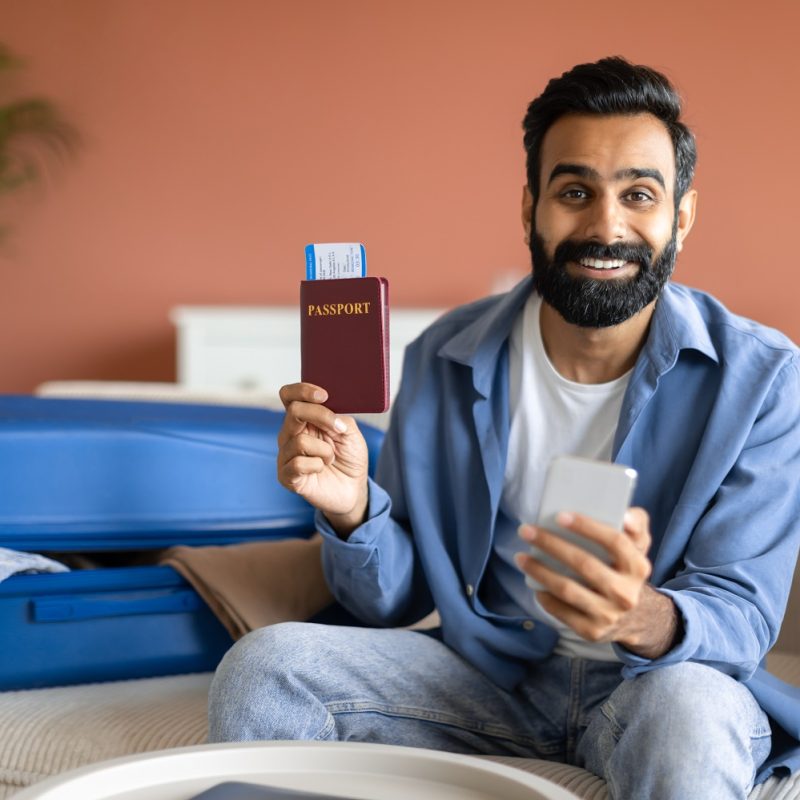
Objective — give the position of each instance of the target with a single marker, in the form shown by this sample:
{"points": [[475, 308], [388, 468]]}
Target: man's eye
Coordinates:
{"points": [[575, 194], [639, 197]]}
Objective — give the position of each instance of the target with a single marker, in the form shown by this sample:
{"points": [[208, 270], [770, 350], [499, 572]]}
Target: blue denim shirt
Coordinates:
{"points": [[711, 422]]}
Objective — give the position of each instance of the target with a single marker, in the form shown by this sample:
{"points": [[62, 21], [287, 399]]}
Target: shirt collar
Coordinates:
{"points": [[677, 325], [477, 344]]}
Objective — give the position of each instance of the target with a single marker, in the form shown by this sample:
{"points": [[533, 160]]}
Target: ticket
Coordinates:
{"points": [[338, 260]]}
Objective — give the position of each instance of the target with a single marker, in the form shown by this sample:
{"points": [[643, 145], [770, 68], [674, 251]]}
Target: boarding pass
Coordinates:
{"points": [[338, 260]]}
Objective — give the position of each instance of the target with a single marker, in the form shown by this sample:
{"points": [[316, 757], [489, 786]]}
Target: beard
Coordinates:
{"points": [[592, 303]]}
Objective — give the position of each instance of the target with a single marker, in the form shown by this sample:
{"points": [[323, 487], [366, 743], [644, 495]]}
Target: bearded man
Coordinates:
{"points": [[645, 667]]}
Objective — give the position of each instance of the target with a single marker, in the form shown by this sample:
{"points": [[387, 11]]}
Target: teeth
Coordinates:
{"points": [[597, 263]]}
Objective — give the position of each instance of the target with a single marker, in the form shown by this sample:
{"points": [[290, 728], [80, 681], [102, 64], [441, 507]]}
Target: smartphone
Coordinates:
{"points": [[601, 490]]}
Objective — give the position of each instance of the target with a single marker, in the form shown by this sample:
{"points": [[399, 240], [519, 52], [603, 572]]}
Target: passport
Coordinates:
{"points": [[344, 342]]}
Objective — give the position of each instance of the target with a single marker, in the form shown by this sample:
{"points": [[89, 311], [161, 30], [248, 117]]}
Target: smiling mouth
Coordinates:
{"points": [[602, 263]]}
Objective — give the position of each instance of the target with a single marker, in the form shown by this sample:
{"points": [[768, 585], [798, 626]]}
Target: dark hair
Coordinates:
{"points": [[610, 86]]}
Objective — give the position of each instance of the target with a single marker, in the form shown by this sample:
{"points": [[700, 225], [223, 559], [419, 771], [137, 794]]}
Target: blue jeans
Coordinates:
{"points": [[684, 731]]}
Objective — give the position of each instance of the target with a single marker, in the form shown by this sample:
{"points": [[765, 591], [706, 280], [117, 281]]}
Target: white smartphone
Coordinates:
{"points": [[601, 490]]}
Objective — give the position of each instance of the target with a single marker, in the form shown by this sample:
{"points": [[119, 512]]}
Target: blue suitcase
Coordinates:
{"points": [[96, 476]]}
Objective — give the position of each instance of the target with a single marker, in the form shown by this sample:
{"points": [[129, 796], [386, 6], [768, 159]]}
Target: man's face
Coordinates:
{"points": [[605, 233]]}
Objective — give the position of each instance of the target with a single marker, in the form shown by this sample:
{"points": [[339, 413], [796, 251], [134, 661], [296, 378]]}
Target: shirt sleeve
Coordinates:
{"points": [[732, 589]]}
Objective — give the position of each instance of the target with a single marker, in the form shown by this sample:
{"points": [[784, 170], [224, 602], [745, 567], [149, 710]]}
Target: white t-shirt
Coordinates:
{"points": [[550, 416]]}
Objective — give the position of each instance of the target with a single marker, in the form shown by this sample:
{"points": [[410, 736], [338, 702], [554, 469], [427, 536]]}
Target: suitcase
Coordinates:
{"points": [[117, 479]]}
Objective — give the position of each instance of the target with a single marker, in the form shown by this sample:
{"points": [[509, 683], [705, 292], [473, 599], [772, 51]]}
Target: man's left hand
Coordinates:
{"points": [[611, 602]]}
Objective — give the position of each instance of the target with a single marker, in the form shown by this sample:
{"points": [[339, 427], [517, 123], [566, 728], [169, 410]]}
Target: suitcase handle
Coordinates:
{"points": [[61, 609]]}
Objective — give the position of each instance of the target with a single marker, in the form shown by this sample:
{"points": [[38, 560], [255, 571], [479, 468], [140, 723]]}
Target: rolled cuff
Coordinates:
{"points": [[361, 542]]}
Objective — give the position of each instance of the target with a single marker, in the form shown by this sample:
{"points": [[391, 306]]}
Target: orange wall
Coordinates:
{"points": [[223, 135]]}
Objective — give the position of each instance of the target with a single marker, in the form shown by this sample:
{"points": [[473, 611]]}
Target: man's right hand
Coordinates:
{"points": [[323, 457]]}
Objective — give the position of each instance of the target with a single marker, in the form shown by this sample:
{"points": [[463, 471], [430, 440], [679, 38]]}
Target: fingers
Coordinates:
{"points": [[313, 439], [306, 446], [625, 550], [594, 624], [596, 591], [303, 392], [303, 404], [588, 581], [592, 616], [294, 474], [303, 455], [619, 581], [594, 598]]}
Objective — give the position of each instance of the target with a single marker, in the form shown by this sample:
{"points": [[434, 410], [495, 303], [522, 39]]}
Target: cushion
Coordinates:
{"points": [[48, 731]]}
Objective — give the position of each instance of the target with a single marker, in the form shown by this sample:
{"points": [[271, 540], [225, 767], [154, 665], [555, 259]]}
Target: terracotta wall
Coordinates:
{"points": [[223, 135]]}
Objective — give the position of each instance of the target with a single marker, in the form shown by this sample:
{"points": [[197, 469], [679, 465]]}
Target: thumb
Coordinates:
{"points": [[637, 526]]}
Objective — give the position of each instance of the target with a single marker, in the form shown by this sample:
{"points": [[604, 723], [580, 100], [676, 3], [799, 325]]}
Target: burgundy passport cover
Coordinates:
{"points": [[344, 342]]}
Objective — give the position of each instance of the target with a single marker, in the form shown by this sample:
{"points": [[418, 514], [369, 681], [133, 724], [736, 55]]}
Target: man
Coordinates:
{"points": [[645, 671]]}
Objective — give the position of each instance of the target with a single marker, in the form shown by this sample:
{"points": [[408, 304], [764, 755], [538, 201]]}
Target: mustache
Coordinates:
{"points": [[572, 250]]}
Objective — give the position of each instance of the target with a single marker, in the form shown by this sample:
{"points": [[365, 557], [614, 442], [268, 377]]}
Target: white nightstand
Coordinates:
{"points": [[258, 348]]}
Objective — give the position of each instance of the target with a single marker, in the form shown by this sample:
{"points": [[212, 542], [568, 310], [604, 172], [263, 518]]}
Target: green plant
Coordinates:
{"points": [[30, 128]]}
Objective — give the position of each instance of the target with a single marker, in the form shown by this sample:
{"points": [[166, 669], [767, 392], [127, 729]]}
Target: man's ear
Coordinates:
{"points": [[527, 213], [687, 207]]}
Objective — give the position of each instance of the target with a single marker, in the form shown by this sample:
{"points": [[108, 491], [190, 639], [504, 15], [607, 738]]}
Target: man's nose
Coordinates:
{"points": [[605, 220]]}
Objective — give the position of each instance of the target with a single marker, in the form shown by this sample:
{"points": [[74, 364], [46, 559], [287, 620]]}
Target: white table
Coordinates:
{"points": [[343, 769]]}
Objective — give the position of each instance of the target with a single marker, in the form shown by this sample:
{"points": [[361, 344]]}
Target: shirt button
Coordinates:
{"points": [[470, 590], [529, 624]]}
